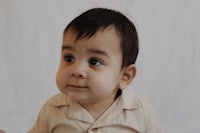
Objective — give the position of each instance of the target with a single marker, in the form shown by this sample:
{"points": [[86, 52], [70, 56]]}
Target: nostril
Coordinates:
{"points": [[78, 75]]}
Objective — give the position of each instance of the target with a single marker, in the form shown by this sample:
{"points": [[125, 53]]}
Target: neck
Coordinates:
{"points": [[98, 108]]}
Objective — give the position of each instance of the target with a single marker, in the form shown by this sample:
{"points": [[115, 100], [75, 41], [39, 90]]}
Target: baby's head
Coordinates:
{"points": [[99, 50], [90, 22]]}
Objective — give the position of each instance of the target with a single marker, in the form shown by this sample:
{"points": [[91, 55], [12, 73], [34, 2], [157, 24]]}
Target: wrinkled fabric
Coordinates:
{"points": [[128, 114]]}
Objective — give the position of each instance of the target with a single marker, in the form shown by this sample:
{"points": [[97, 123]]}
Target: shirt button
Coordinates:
{"points": [[94, 129]]}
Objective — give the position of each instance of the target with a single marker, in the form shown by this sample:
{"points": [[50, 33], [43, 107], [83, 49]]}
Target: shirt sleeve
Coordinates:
{"points": [[151, 121], [42, 123]]}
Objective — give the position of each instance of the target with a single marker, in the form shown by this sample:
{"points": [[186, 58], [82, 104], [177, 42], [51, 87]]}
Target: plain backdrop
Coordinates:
{"points": [[168, 63]]}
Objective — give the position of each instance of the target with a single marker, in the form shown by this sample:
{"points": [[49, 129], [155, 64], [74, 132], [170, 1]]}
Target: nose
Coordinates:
{"points": [[78, 75], [78, 71]]}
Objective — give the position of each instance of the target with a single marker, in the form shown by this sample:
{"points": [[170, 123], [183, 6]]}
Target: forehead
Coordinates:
{"points": [[90, 32], [106, 38]]}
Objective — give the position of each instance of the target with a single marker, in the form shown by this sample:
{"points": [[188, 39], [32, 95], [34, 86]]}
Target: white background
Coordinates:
{"points": [[168, 63]]}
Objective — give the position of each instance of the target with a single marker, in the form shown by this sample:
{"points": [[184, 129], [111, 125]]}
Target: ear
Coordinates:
{"points": [[128, 75]]}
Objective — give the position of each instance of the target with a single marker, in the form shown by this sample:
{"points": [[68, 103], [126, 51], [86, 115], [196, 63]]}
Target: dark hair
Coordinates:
{"points": [[89, 22]]}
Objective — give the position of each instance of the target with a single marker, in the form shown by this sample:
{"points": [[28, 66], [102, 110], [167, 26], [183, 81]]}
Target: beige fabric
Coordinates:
{"points": [[128, 114]]}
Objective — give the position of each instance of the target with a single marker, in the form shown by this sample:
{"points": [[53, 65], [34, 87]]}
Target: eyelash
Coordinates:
{"points": [[92, 61]]}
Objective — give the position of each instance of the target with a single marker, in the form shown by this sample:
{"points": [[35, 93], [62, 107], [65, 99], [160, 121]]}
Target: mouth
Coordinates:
{"points": [[77, 86]]}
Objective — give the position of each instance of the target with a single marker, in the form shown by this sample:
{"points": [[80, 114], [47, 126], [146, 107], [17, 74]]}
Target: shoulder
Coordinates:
{"points": [[53, 104], [139, 108], [58, 100], [133, 100], [50, 112]]}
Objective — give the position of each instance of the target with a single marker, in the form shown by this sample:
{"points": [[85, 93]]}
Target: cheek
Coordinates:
{"points": [[59, 79], [104, 82]]}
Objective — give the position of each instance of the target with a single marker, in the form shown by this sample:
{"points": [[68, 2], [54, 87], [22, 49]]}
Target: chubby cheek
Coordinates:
{"points": [[60, 80], [104, 85]]}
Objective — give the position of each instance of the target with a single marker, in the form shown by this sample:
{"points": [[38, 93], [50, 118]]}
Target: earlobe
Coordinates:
{"points": [[127, 76]]}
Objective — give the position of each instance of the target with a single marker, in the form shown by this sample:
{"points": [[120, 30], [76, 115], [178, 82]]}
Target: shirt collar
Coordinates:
{"points": [[127, 101], [130, 99], [60, 100]]}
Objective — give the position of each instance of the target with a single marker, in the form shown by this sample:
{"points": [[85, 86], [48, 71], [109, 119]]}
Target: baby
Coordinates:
{"points": [[99, 51]]}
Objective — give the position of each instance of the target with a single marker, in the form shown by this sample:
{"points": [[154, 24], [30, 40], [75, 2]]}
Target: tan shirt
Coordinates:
{"points": [[128, 114]]}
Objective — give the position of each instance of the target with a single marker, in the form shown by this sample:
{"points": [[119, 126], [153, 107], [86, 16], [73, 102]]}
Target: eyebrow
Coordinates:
{"points": [[93, 51], [67, 47], [99, 52]]}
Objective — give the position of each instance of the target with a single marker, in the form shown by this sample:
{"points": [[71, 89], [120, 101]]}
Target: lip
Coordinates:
{"points": [[77, 86]]}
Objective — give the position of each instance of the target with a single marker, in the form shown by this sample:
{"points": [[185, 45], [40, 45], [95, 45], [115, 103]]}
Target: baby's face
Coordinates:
{"points": [[90, 69]]}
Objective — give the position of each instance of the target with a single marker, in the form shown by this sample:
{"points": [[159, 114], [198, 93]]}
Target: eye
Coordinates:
{"points": [[69, 58], [94, 62]]}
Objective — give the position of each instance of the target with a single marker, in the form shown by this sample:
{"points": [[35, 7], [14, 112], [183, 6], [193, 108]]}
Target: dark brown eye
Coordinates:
{"points": [[94, 62], [69, 58]]}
